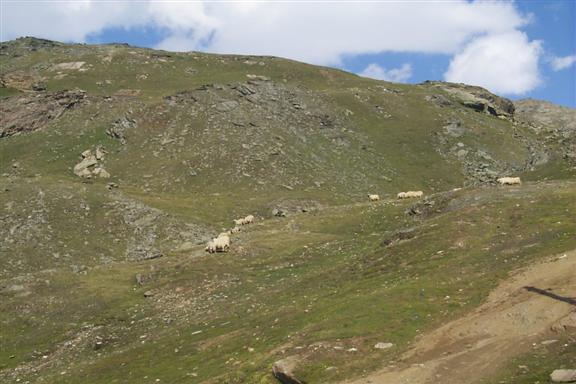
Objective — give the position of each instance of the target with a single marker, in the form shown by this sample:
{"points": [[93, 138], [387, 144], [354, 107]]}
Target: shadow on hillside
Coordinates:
{"points": [[552, 295]]}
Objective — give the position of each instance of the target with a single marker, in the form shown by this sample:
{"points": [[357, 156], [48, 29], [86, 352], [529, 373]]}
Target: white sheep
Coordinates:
{"points": [[373, 197], [509, 180], [416, 194], [219, 244], [410, 194], [246, 220], [234, 230], [222, 243]]}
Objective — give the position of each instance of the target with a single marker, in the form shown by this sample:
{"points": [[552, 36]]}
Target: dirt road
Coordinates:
{"points": [[521, 311]]}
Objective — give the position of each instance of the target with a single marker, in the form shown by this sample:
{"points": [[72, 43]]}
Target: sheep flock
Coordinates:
{"points": [[222, 242]]}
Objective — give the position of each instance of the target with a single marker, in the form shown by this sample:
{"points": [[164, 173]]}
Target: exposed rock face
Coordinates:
{"points": [[477, 98], [283, 370], [19, 80], [542, 114], [27, 113], [151, 232], [557, 124]]}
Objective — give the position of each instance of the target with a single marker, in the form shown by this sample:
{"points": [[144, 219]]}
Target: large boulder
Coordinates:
{"points": [[563, 376], [283, 370]]}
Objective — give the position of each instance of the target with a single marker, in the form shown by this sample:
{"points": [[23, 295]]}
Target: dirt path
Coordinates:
{"points": [[478, 344]]}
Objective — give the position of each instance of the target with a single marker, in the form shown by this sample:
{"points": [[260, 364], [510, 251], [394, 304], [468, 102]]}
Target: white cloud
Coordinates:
{"points": [[560, 63], [503, 63], [483, 35], [397, 75], [315, 32]]}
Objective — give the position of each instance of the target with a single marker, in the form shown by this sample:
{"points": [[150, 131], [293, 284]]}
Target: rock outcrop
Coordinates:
{"points": [[30, 112], [283, 370], [477, 98], [91, 164]]}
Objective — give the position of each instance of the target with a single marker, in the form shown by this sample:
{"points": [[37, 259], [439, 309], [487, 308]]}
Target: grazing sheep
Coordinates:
{"points": [[373, 197], [234, 230], [219, 244], [246, 220], [222, 243], [410, 194], [509, 180], [416, 194]]}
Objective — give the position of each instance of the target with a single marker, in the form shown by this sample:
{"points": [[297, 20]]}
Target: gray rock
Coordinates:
{"points": [[283, 370], [226, 106], [563, 376], [140, 279], [278, 212], [455, 129], [119, 128], [461, 153], [383, 345]]}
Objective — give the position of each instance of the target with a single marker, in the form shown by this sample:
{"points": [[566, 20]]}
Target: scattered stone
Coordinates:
{"points": [[383, 345], [226, 106], [455, 128], [148, 294], [119, 128], [140, 279], [278, 212], [98, 343], [38, 87], [563, 376], [257, 77]]}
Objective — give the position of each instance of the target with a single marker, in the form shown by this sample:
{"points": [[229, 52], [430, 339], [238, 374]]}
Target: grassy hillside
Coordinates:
{"points": [[105, 280]]}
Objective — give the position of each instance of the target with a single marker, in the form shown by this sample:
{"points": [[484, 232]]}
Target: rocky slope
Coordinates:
{"points": [[118, 163]]}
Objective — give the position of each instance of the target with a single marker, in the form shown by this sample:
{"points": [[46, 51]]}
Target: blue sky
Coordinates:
{"points": [[523, 48]]}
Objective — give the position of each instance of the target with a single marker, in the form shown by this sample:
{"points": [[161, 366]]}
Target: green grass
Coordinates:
{"points": [[303, 284], [321, 277]]}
